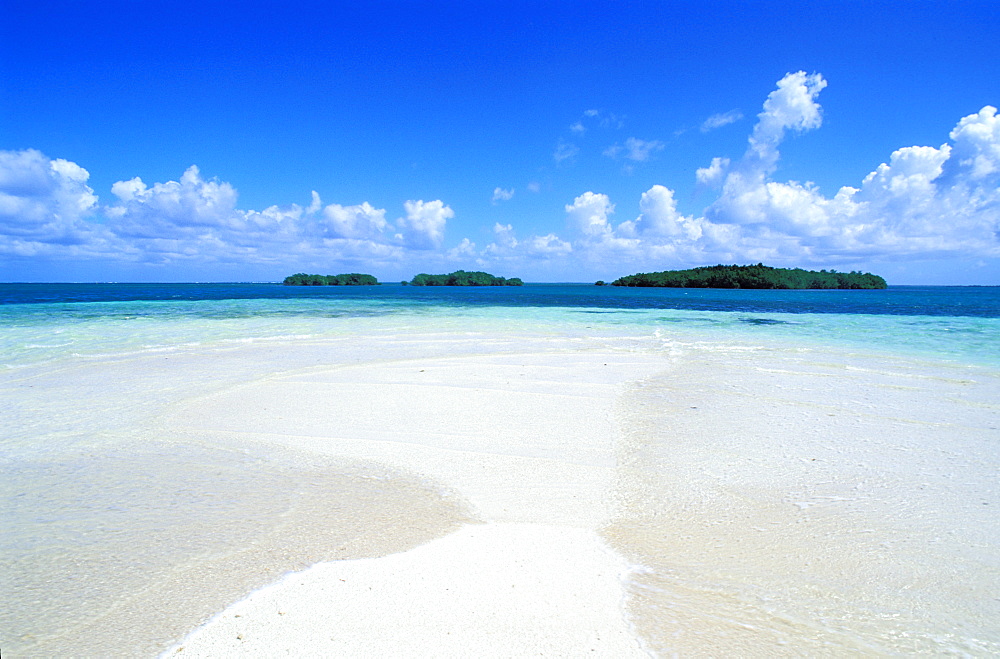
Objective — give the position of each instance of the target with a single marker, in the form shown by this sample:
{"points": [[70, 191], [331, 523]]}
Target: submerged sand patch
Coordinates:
{"points": [[812, 503], [170, 533]]}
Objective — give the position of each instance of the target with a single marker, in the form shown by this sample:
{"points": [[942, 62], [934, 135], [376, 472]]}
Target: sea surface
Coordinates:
{"points": [[893, 548]]}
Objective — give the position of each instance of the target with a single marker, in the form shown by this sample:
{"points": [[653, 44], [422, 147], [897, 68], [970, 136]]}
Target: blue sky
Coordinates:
{"points": [[554, 141]]}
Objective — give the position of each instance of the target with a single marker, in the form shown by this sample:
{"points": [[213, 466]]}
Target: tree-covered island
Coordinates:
{"points": [[350, 279], [463, 278], [753, 276]]}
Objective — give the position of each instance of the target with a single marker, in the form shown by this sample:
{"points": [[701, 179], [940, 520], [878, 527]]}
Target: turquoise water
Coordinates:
{"points": [[95, 492], [44, 322]]}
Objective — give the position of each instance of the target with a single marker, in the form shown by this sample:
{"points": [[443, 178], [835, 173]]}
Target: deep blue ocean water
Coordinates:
{"points": [[976, 301]]}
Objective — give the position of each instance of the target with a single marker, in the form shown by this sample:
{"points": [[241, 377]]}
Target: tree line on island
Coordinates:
{"points": [[350, 279], [463, 278], [757, 276], [457, 278]]}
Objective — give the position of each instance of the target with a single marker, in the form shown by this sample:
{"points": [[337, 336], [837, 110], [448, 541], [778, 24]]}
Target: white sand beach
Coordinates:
{"points": [[756, 494], [458, 494], [529, 441]]}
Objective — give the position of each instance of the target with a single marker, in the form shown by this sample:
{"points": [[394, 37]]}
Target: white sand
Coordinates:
{"points": [[528, 441], [491, 590]]}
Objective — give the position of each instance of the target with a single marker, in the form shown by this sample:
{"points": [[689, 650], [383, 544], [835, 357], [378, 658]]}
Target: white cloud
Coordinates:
{"points": [[792, 106], [505, 235], [43, 200], [976, 148], [363, 221], [612, 151], [712, 176], [640, 150], [634, 149], [720, 120], [47, 210], [578, 127], [588, 214], [548, 245], [500, 194], [659, 216], [423, 226], [175, 209], [315, 205], [565, 151], [924, 202], [464, 250], [507, 247]]}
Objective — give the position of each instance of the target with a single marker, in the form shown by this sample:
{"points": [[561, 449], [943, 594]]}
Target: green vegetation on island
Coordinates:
{"points": [[753, 276], [463, 278], [350, 279]]}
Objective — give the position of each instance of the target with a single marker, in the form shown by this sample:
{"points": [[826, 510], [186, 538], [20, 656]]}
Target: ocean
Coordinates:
{"points": [[813, 472]]}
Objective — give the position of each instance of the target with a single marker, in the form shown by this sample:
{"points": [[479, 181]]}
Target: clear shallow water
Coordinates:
{"points": [[42, 322], [812, 503], [86, 370]]}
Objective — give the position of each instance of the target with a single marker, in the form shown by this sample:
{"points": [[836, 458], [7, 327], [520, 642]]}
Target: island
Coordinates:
{"points": [[350, 279], [463, 278], [753, 276]]}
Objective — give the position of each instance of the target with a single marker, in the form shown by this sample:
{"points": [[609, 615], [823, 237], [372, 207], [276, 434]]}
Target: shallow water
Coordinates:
{"points": [[816, 472], [812, 504]]}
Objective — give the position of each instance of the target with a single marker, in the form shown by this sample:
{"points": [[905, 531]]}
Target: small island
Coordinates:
{"points": [[757, 276], [350, 279], [463, 278]]}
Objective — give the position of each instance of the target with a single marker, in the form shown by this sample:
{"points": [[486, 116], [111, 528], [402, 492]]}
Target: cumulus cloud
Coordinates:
{"points": [[464, 250], [507, 247], [43, 201], [588, 214], [363, 221], [923, 202], [640, 150], [548, 245], [713, 175], [720, 120], [792, 106], [500, 194], [505, 235], [659, 217], [175, 209], [424, 224], [47, 209]]}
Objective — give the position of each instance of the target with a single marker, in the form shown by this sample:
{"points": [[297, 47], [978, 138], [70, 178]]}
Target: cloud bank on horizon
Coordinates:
{"points": [[925, 202]]}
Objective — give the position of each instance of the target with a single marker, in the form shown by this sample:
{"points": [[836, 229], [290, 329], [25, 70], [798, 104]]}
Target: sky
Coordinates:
{"points": [[551, 141]]}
